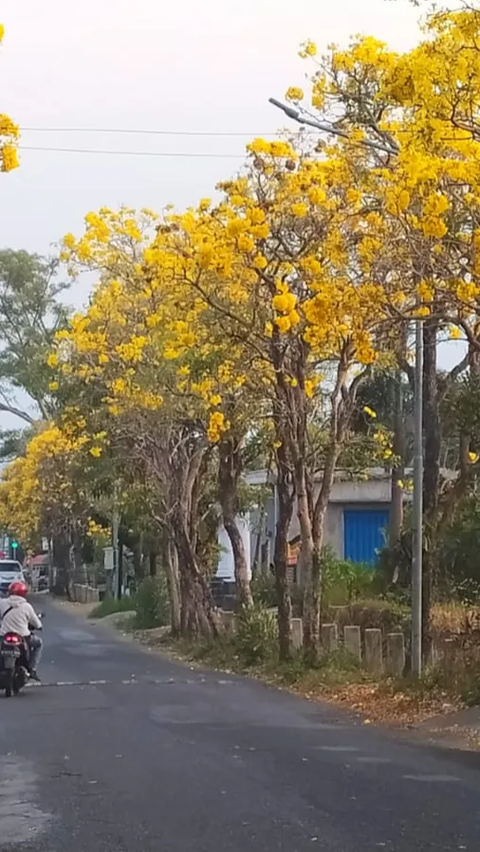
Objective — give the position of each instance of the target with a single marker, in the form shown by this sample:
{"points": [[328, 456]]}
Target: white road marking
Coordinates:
{"points": [[337, 748], [431, 779], [370, 759]]}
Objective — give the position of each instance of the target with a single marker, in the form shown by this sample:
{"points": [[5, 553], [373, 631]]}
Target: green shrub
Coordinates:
{"points": [[264, 589], [151, 603], [344, 581], [257, 634]]}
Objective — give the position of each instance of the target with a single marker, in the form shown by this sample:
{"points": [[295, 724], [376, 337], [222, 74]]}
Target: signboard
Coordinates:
{"points": [[108, 558], [293, 551]]}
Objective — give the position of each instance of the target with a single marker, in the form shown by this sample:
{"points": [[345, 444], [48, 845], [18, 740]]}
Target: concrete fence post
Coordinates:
{"points": [[297, 633], [449, 658], [373, 650], [396, 654], [352, 641], [329, 638]]}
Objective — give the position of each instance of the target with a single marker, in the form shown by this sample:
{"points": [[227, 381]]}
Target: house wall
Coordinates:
{"points": [[347, 495], [226, 565], [371, 494]]}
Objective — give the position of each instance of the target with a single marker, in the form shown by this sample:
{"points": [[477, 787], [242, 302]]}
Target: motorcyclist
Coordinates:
{"points": [[18, 616]]}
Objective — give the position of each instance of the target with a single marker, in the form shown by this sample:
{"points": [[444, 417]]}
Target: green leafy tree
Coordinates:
{"points": [[30, 315]]}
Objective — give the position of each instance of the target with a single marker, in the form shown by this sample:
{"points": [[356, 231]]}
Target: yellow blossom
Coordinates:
{"points": [[284, 302], [294, 94], [9, 157], [283, 324], [300, 209], [455, 333], [308, 48]]}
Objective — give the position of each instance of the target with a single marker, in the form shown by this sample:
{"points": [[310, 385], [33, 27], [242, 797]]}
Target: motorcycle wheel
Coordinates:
{"points": [[8, 684]]}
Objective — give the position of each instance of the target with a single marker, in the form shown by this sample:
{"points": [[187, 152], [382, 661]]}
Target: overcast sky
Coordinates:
{"points": [[186, 65], [205, 66]]}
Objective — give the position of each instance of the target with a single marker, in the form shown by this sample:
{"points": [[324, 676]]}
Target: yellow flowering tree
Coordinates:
{"points": [[415, 115], [126, 349], [9, 133], [47, 492], [272, 263]]}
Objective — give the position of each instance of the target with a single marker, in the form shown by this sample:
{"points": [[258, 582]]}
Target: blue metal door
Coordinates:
{"points": [[364, 533]]}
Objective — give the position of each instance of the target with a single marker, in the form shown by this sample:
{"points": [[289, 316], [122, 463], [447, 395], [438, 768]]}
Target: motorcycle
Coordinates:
{"points": [[13, 664]]}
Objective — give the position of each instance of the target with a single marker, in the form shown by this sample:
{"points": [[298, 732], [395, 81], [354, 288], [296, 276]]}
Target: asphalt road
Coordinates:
{"points": [[122, 751]]}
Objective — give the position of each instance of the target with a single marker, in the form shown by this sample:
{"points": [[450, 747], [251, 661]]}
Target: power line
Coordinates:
{"points": [[182, 154], [144, 132]]}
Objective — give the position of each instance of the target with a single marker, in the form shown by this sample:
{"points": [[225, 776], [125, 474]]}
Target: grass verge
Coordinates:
{"points": [[109, 606]]}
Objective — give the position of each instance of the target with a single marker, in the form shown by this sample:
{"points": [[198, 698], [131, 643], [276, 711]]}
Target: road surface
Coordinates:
{"points": [[123, 751]]}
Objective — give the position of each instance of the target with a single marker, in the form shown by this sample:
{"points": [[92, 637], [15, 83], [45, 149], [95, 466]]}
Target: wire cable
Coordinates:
{"points": [[181, 154], [145, 132]]}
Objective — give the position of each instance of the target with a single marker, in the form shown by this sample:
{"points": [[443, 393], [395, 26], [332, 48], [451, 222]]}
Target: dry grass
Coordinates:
{"points": [[450, 618]]}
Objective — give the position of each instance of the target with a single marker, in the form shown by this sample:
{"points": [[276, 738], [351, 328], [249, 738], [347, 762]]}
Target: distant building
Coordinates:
{"points": [[356, 524]]}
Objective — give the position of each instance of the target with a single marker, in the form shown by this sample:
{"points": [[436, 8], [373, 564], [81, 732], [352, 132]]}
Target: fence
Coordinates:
{"points": [[370, 652]]}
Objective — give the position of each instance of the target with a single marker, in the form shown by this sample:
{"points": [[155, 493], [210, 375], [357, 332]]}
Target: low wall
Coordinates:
{"points": [[85, 594]]}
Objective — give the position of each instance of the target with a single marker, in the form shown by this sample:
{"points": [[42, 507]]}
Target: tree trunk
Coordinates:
{"points": [[398, 472], [285, 508], [199, 615], [170, 562], [230, 468], [431, 480], [283, 498], [79, 572], [242, 579], [61, 561], [152, 563], [342, 402], [309, 567], [137, 560]]}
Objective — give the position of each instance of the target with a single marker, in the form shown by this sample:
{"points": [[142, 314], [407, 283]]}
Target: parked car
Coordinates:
{"points": [[10, 570]]}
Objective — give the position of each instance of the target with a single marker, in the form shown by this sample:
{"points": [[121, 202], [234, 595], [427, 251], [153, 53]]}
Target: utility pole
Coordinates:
{"points": [[417, 551], [115, 525]]}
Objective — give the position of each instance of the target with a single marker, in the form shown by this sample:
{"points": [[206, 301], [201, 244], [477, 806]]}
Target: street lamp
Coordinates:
{"points": [[390, 147]]}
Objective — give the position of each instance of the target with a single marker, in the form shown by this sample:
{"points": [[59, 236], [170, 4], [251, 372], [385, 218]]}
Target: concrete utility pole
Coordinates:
{"points": [[116, 562], [417, 551], [391, 148]]}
